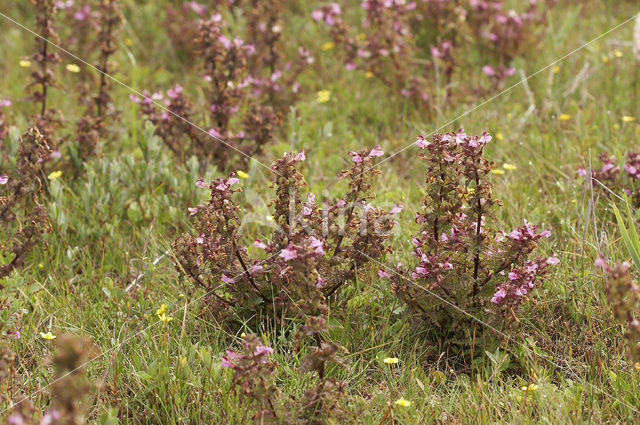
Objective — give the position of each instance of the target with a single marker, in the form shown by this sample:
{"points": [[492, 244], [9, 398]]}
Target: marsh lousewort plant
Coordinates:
{"points": [[315, 249], [47, 119], [623, 295], [460, 255], [23, 216], [608, 174], [389, 40], [253, 378]]}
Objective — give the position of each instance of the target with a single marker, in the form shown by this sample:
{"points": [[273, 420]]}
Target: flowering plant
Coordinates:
{"points": [[248, 83], [48, 119], [460, 256], [24, 219], [624, 297], [388, 42], [315, 249], [253, 377], [608, 174]]}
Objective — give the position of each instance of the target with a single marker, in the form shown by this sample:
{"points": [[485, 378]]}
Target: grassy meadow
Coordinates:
{"points": [[108, 264]]}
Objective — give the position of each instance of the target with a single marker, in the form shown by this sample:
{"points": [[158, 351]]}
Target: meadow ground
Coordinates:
{"points": [[107, 265]]}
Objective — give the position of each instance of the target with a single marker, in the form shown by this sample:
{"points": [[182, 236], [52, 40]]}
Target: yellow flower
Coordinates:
{"points": [[163, 318], [509, 115], [368, 74], [40, 266], [627, 118], [24, 63], [48, 336], [605, 59], [564, 117], [530, 387], [55, 175], [499, 136], [270, 218], [242, 335], [242, 174], [362, 36], [391, 360], [617, 53], [324, 96], [497, 171], [402, 402], [508, 166], [328, 45], [556, 69], [637, 365], [72, 67], [161, 310]]}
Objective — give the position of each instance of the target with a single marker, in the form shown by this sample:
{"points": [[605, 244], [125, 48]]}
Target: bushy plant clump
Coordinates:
{"points": [[623, 295], [388, 41], [315, 249], [23, 214], [253, 378], [247, 82], [470, 266], [608, 174], [70, 390]]}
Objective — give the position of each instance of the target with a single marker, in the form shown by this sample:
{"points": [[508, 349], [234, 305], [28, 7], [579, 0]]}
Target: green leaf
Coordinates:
{"points": [[633, 247]]}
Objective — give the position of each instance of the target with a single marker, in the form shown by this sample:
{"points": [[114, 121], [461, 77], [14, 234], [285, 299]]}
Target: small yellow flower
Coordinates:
{"points": [[627, 118], [637, 365], [48, 336], [161, 310], [24, 63], [402, 402], [530, 387], [270, 218], [55, 175], [368, 74], [362, 36], [564, 117], [556, 69], [497, 171], [605, 59], [181, 295], [242, 335], [324, 96], [499, 136], [509, 115], [328, 45], [163, 318], [40, 266], [391, 360], [242, 174], [72, 67], [617, 53], [508, 167]]}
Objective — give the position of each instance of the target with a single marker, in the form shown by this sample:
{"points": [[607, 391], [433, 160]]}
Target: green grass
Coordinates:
{"points": [[114, 222]]}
